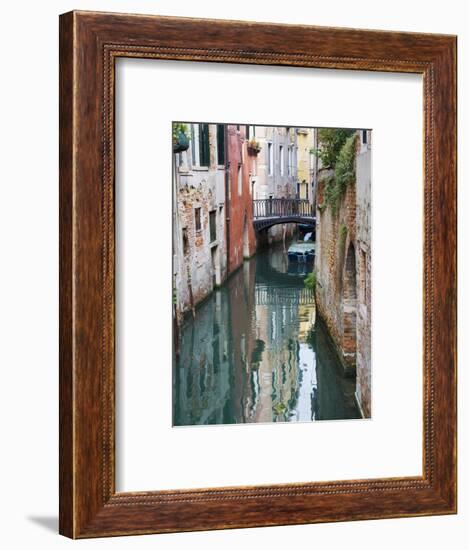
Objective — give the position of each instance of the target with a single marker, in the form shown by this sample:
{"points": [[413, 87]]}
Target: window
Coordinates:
{"points": [[270, 158], [282, 161], [220, 143], [198, 225], [364, 136], [213, 225], [204, 145], [289, 161], [240, 179]]}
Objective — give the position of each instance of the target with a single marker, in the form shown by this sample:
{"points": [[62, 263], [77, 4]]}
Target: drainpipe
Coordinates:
{"points": [[227, 200]]}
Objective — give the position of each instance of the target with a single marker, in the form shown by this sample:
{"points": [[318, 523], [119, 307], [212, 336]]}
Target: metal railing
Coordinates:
{"points": [[270, 208]]}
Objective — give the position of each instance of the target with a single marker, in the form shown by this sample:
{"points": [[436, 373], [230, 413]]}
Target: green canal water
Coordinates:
{"points": [[255, 352]]}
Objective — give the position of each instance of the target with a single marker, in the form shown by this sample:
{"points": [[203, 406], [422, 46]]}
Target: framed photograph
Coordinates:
{"points": [[257, 274], [272, 307]]}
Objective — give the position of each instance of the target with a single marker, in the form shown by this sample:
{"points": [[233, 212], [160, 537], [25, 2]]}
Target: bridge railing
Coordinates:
{"points": [[269, 208]]}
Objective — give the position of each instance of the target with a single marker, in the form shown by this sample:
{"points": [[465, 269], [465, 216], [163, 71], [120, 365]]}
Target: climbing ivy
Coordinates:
{"points": [[344, 174], [331, 141]]}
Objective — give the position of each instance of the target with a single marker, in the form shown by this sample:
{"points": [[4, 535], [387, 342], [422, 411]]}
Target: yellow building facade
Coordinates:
{"points": [[305, 160]]}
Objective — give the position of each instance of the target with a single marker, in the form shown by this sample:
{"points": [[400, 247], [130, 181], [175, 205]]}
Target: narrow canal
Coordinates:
{"points": [[256, 353]]}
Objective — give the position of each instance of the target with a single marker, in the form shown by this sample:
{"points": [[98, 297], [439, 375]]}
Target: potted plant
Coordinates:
{"points": [[180, 137], [253, 147]]}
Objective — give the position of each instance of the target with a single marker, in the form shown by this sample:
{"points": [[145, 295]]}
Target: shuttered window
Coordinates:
{"points": [[221, 143], [204, 146], [213, 225]]}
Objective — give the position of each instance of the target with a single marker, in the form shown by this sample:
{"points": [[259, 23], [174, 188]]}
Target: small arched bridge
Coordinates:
{"points": [[269, 212]]}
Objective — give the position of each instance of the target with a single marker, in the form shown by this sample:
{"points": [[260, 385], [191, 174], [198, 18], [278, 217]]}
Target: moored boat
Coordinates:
{"points": [[301, 251]]}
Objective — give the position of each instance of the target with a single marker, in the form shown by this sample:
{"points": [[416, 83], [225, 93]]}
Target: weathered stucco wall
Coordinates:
{"points": [[199, 259], [363, 186]]}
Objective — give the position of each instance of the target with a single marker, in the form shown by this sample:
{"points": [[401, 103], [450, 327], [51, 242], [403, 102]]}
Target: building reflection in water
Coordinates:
{"points": [[254, 353]]}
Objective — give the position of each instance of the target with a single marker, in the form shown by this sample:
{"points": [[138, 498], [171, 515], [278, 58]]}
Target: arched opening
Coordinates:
{"points": [[349, 307]]}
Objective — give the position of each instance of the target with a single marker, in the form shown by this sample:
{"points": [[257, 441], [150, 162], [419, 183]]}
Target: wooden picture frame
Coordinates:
{"points": [[89, 45]]}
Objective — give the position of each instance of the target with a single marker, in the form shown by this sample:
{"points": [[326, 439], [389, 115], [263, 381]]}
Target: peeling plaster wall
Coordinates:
{"points": [[198, 187]]}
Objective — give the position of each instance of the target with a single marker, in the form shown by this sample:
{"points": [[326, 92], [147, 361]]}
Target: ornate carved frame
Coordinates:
{"points": [[89, 44]]}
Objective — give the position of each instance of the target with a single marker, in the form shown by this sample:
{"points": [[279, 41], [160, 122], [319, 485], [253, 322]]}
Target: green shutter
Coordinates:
{"points": [[221, 143], [204, 147]]}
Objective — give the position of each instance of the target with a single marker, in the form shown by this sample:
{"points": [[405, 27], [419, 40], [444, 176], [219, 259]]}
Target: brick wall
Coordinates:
{"points": [[335, 234]]}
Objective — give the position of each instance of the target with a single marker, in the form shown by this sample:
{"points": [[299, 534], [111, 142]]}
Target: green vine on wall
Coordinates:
{"points": [[331, 141], [344, 173]]}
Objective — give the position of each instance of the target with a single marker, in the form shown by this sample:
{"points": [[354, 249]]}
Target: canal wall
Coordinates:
{"points": [[343, 269], [335, 268], [199, 244], [212, 221], [240, 230]]}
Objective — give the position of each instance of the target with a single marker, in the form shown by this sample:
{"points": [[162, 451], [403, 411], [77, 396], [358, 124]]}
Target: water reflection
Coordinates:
{"points": [[254, 353]]}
